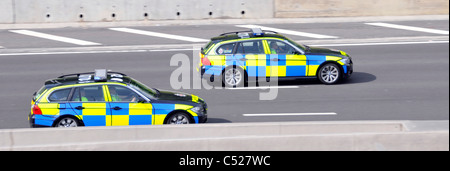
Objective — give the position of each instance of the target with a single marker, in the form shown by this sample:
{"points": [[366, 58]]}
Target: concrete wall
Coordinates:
{"points": [[357, 135], [42, 11], [338, 8], [6, 11], [58, 11]]}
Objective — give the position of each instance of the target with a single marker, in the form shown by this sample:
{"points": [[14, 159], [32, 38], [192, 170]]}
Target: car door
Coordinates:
{"points": [[253, 57], [128, 107], [91, 106], [285, 60]]}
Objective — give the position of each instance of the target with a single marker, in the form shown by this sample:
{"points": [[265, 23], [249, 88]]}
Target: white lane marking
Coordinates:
{"points": [[173, 50], [292, 114], [387, 43], [290, 32], [263, 87], [91, 52], [55, 38], [402, 27], [68, 53], [170, 50], [161, 35]]}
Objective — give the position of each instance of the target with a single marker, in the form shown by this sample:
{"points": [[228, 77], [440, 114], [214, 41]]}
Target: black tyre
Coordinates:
{"points": [[67, 122], [178, 119], [233, 77], [329, 73]]}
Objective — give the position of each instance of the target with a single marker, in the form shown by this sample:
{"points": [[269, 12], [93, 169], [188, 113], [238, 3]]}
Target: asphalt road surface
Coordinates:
{"points": [[401, 70]]}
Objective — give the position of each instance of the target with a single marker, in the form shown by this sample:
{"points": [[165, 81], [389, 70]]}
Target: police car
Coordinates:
{"points": [[103, 98], [234, 57]]}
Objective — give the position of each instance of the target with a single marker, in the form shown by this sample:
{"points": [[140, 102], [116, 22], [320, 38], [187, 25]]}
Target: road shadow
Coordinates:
{"points": [[356, 78], [217, 120], [359, 77]]}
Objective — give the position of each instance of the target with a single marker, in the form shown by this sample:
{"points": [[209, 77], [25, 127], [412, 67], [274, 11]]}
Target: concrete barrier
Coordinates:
{"points": [[338, 8], [63, 11], [362, 135], [54, 11], [6, 12]]}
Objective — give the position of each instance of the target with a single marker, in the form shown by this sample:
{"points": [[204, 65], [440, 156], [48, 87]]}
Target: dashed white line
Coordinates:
{"points": [[55, 38], [292, 114], [161, 35], [91, 52], [78, 51], [402, 27], [290, 32]]}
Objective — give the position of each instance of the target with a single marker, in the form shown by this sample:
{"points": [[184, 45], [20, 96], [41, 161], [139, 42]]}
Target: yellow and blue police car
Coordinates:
{"points": [[103, 98], [236, 56]]}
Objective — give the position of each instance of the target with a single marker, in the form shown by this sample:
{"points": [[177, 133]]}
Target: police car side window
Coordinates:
{"points": [[123, 94], [226, 49], [278, 47], [250, 47], [88, 94], [60, 95]]}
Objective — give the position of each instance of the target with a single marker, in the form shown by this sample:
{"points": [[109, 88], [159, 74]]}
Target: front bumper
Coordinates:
{"points": [[349, 70], [203, 116]]}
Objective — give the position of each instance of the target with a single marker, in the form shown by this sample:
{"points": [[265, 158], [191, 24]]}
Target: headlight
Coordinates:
{"points": [[346, 61], [197, 109]]}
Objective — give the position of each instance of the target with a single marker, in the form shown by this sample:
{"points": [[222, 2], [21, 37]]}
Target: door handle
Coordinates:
{"points": [[117, 108], [275, 59], [243, 59], [79, 108]]}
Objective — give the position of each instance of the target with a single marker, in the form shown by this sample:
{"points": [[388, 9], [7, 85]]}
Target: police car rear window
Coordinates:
{"points": [[39, 93], [60, 95], [206, 48], [226, 49]]}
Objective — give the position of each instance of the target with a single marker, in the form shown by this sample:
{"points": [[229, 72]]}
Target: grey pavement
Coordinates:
{"points": [[405, 81]]}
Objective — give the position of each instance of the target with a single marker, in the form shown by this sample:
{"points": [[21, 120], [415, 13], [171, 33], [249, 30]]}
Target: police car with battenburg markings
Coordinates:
{"points": [[234, 57], [103, 98]]}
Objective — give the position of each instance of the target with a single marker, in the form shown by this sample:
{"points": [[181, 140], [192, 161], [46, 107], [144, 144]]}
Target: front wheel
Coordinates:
{"points": [[178, 119], [329, 74]]}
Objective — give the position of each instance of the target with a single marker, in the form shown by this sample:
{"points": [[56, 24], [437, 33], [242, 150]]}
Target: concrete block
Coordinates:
{"points": [[54, 11], [324, 136], [6, 11], [348, 8]]}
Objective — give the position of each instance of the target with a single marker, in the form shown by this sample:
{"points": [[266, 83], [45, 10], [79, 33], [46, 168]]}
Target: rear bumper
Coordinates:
{"points": [[37, 121]]}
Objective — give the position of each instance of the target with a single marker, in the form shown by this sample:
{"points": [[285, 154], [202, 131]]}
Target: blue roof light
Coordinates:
{"points": [[257, 32]]}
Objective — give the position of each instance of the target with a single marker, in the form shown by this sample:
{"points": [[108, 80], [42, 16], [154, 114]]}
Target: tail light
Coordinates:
{"points": [[37, 110], [205, 61]]}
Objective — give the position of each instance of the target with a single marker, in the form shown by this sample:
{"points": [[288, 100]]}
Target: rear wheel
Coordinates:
{"points": [[233, 77], [329, 74], [67, 122]]}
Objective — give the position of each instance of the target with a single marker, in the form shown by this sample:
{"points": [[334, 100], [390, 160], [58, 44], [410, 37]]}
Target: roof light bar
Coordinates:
{"points": [[257, 32], [100, 75]]}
